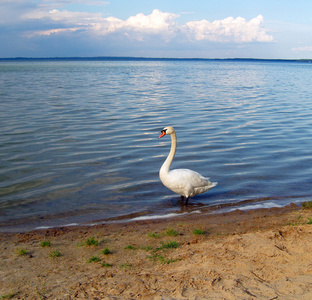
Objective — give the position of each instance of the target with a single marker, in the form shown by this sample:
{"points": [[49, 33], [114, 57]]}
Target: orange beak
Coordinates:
{"points": [[163, 132]]}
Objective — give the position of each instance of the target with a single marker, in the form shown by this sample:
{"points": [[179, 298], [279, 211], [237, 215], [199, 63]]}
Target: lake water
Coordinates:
{"points": [[79, 138]]}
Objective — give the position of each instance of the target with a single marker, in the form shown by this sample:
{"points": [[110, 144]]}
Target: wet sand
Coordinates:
{"points": [[259, 254]]}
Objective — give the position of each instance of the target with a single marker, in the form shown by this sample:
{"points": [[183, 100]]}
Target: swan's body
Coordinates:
{"points": [[184, 182]]}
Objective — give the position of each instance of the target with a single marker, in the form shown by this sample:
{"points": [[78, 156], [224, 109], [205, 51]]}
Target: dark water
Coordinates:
{"points": [[79, 139]]}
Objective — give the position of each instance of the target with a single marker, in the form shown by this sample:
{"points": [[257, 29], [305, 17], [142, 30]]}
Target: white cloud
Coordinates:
{"points": [[302, 49], [157, 21], [142, 27], [13, 11], [138, 26], [228, 30], [62, 21], [67, 17], [50, 31]]}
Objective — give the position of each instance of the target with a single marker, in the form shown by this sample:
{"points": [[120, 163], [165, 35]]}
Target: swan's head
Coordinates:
{"points": [[167, 130]]}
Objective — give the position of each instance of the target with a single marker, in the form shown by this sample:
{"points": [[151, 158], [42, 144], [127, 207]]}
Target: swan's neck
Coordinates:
{"points": [[167, 163]]}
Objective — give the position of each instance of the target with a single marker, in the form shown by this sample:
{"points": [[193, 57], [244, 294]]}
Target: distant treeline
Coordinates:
{"points": [[116, 58]]}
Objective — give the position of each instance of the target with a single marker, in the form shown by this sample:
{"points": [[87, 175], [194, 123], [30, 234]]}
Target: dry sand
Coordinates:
{"points": [[260, 254]]}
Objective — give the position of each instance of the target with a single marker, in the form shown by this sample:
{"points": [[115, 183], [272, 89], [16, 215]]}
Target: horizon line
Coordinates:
{"points": [[147, 58]]}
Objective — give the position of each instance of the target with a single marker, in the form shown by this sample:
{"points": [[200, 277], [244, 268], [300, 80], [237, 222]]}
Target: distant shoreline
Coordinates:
{"points": [[129, 58]]}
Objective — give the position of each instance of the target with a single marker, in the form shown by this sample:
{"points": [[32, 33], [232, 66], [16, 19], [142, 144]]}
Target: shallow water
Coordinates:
{"points": [[79, 139]]}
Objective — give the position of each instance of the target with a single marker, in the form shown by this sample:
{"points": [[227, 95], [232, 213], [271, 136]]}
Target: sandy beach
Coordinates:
{"points": [[258, 254]]}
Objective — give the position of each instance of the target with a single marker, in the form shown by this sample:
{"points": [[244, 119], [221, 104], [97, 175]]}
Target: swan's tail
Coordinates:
{"points": [[213, 184]]}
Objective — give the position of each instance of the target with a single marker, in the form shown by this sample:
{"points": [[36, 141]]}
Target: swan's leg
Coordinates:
{"points": [[186, 200], [182, 198]]}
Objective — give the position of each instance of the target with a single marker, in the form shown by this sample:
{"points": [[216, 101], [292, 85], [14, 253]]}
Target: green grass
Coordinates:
{"points": [[45, 244], [146, 248], [55, 253], [106, 265], [8, 296], [126, 266], [301, 222], [307, 205], [161, 259], [92, 241], [171, 232], [158, 254], [106, 251], [169, 245], [94, 259], [41, 292], [130, 247], [291, 224], [199, 232], [22, 252], [154, 235]]}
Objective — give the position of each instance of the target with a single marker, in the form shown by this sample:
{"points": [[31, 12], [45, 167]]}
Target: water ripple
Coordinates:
{"points": [[82, 140]]}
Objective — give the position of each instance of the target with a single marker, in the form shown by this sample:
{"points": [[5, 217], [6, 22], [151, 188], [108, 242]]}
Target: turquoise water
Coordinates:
{"points": [[79, 139]]}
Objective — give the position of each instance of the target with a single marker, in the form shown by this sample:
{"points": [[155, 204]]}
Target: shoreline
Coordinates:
{"points": [[54, 221], [262, 253]]}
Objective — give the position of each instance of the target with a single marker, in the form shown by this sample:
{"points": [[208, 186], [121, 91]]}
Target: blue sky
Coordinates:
{"points": [[162, 28]]}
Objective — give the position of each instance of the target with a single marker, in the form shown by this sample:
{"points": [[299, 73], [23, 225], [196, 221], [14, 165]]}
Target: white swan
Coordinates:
{"points": [[184, 182]]}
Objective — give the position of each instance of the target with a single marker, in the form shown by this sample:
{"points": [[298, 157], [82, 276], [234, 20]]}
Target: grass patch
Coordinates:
{"points": [[106, 265], [160, 251], [171, 232], [307, 205], [169, 245], [291, 224], [41, 292], [301, 222], [126, 266], [106, 251], [146, 248], [55, 253], [199, 232], [130, 247], [92, 241], [94, 259], [161, 259], [22, 252], [8, 296], [45, 244], [154, 235]]}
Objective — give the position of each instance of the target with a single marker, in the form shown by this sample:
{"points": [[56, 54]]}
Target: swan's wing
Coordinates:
{"points": [[190, 176], [188, 182]]}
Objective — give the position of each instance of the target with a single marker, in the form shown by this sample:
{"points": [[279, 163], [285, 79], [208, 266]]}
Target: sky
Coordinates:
{"points": [[275, 29]]}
